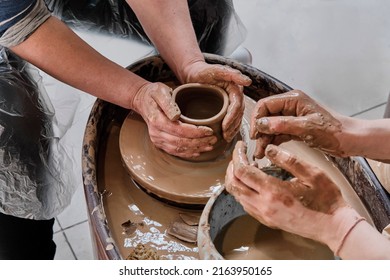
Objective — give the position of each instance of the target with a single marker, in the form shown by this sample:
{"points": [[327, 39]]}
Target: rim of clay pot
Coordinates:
{"points": [[217, 117], [153, 68], [207, 250]]}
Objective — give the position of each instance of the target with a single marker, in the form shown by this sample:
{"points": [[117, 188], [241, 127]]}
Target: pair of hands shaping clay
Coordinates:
{"points": [[310, 204], [155, 105]]}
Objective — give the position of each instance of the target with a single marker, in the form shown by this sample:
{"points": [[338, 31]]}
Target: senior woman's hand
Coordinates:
{"points": [[154, 103], [232, 81]]}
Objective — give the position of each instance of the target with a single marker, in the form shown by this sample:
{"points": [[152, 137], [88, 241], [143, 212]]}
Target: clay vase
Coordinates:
{"points": [[203, 105]]}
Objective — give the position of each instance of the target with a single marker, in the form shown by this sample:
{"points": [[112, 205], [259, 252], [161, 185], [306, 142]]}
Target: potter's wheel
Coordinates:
{"points": [[113, 200], [170, 178]]}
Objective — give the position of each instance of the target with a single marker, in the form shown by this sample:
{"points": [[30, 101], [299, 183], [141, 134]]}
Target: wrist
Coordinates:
{"points": [[134, 93], [184, 72], [350, 135], [369, 138], [340, 225]]}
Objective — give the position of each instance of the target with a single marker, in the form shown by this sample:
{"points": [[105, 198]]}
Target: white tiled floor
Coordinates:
{"points": [[337, 51]]}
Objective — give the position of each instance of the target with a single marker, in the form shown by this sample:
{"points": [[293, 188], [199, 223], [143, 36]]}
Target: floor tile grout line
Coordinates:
{"points": [[70, 246], [76, 224], [369, 109], [62, 230], [59, 224], [68, 227]]}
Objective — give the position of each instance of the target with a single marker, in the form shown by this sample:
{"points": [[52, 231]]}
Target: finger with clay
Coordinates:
{"points": [[295, 116]]}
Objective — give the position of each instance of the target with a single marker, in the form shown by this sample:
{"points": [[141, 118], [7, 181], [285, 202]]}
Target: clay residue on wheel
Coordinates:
{"points": [[191, 220], [142, 252], [129, 227], [183, 231]]}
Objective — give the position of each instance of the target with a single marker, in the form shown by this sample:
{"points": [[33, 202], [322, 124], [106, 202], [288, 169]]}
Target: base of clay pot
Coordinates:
{"points": [[170, 178], [221, 150]]}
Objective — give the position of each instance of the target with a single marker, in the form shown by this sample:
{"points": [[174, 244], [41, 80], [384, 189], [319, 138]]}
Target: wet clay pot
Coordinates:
{"points": [[175, 180], [113, 199], [203, 105]]}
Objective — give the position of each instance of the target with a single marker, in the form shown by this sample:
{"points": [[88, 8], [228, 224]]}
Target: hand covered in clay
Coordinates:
{"points": [[154, 103], [304, 205], [232, 81], [294, 115]]}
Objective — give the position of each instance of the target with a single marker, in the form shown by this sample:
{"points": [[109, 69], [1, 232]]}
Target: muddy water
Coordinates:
{"points": [[258, 242], [149, 218]]}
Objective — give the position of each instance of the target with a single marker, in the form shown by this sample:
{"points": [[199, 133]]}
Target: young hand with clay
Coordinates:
{"points": [[309, 205], [294, 115]]}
